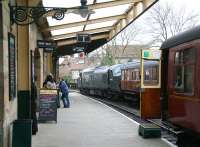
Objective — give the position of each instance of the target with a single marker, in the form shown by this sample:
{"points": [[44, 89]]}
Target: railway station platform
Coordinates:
{"points": [[88, 123]]}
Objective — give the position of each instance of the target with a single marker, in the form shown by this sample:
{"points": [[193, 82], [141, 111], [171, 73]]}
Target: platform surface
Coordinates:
{"points": [[88, 123]]}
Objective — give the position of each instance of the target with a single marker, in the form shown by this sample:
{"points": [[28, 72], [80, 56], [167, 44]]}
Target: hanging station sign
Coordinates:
{"points": [[79, 49], [83, 38], [48, 46]]}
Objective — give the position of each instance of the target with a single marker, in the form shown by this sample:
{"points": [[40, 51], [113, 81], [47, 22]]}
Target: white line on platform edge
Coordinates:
{"points": [[169, 143]]}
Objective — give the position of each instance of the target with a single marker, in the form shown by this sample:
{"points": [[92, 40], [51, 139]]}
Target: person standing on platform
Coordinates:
{"points": [[33, 107], [65, 92], [49, 82]]}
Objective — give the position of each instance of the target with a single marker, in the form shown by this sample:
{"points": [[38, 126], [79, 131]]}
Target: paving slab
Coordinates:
{"points": [[88, 123]]}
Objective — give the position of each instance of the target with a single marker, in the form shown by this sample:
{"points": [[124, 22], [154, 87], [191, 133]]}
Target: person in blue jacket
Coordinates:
{"points": [[65, 92]]}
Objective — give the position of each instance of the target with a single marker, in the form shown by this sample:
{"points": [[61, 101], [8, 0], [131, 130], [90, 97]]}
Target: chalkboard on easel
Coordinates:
{"points": [[48, 105]]}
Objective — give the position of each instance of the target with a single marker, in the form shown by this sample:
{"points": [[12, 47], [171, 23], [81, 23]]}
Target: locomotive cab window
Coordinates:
{"points": [[110, 75], [184, 69]]}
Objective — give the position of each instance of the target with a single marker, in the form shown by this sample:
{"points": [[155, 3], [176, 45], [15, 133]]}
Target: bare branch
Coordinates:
{"points": [[165, 21]]}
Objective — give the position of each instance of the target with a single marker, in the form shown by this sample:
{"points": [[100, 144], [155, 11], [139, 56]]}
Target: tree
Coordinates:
{"points": [[107, 58], [166, 21], [117, 46], [68, 78], [128, 35]]}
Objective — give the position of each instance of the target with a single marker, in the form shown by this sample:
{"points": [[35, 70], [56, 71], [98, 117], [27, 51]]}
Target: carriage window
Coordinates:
{"points": [[122, 74], [179, 58], [133, 74], [147, 74], [184, 71], [137, 75], [127, 75], [188, 55]]}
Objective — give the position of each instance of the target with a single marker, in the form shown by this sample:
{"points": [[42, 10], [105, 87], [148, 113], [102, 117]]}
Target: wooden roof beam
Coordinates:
{"points": [[92, 31], [92, 21], [111, 4], [73, 41], [102, 5]]}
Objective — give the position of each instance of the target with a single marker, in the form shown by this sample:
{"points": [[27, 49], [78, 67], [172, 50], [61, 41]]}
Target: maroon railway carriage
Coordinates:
{"points": [[147, 100], [181, 80]]}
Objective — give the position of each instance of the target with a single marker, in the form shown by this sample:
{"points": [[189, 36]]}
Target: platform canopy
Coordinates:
{"points": [[108, 18]]}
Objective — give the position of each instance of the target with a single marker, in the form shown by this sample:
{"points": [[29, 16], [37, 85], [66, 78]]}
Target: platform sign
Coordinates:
{"points": [[151, 69], [151, 54], [78, 49], [48, 105]]}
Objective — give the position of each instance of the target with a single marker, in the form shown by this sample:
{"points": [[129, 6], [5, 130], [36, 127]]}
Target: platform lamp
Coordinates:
{"points": [[83, 10]]}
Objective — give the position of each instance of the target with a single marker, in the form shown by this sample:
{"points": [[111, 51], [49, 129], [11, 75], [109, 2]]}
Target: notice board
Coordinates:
{"points": [[12, 66], [48, 105]]}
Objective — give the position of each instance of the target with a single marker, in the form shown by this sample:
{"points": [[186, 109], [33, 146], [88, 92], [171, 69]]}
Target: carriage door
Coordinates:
{"points": [[150, 106]]}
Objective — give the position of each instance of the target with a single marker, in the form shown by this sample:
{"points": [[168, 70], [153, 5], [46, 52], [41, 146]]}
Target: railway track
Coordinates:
{"points": [[167, 132]]}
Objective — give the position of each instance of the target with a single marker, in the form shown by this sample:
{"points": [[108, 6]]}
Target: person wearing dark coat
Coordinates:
{"points": [[65, 93]]}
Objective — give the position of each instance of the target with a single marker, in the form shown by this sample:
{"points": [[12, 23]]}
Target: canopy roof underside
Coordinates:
{"points": [[110, 17]]}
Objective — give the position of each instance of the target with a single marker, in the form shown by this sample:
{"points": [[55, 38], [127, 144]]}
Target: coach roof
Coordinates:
{"points": [[183, 37], [101, 69]]}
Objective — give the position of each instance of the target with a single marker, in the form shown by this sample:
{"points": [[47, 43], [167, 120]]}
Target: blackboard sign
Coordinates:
{"points": [[48, 105], [12, 66]]}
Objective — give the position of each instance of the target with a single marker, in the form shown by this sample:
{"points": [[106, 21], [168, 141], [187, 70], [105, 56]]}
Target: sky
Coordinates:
{"points": [[189, 6]]}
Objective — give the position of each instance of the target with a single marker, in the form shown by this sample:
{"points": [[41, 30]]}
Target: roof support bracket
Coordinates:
{"points": [[23, 15]]}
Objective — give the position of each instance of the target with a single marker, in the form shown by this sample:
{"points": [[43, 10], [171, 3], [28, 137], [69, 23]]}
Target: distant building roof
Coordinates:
{"points": [[133, 51]]}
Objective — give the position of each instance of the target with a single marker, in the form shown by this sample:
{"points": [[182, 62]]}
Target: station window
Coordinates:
{"points": [[184, 71], [151, 75]]}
